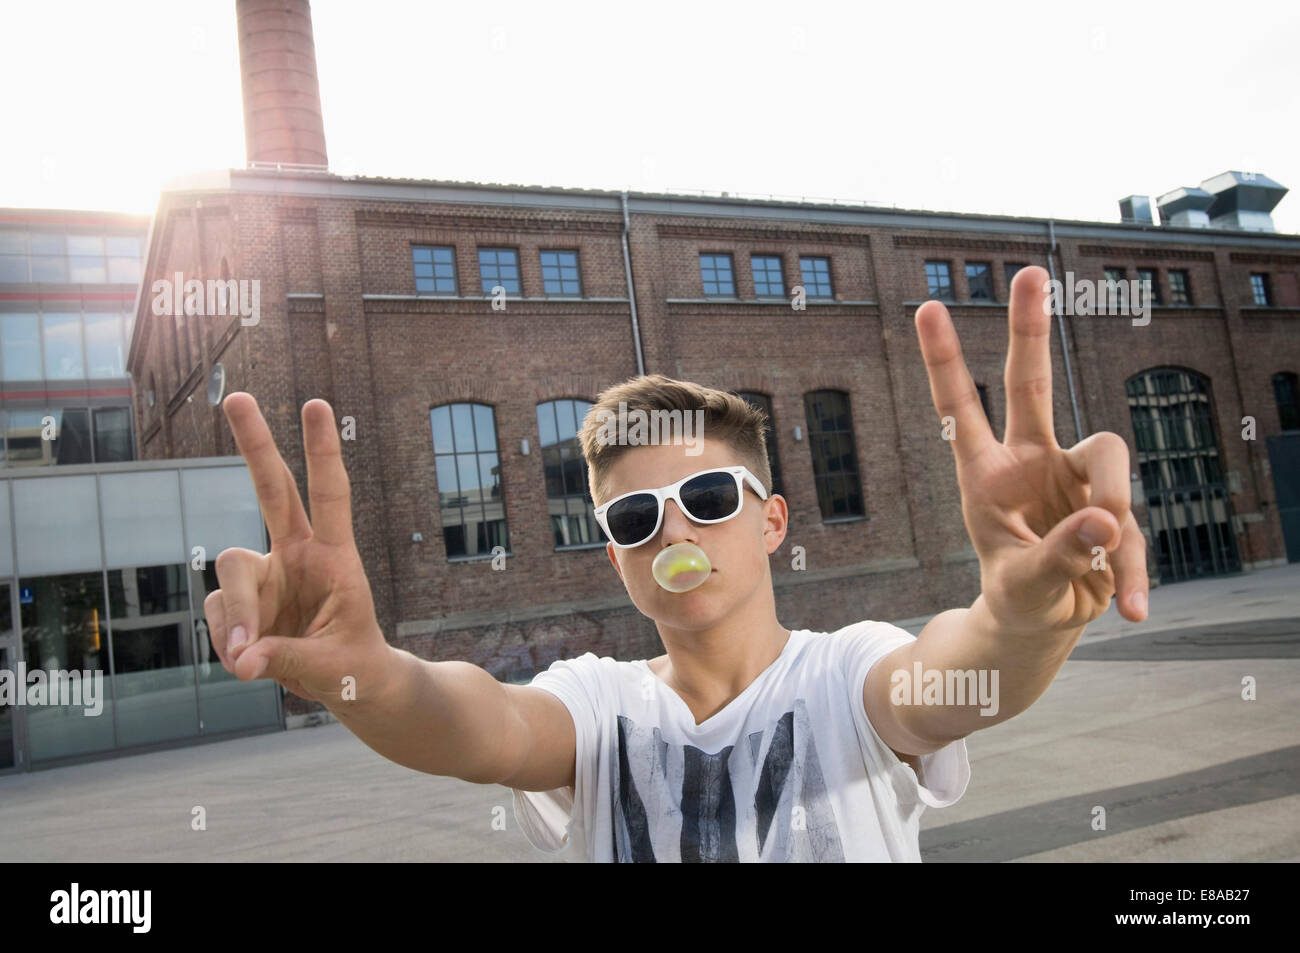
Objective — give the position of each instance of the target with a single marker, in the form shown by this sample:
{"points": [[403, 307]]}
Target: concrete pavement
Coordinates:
{"points": [[1146, 721]]}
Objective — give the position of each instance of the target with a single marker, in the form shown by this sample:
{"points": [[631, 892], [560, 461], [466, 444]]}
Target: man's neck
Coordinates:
{"points": [[708, 668]]}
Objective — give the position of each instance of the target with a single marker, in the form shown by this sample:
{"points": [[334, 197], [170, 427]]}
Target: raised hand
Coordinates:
{"points": [[1036, 512], [303, 613]]}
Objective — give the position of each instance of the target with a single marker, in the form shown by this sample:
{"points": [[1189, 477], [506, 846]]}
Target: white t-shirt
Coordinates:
{"points": [[790, 770]]}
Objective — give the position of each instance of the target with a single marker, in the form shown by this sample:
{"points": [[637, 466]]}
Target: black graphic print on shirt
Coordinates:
{"points": [[681, 803]]}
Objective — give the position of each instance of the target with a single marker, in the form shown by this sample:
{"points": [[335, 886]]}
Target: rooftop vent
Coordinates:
{"points": [[1243, 200], [1185, 208], [1135, 210]]}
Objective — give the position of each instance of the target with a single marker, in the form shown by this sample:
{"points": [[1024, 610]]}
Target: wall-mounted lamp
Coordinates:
{"points": [[523, 446], [798, 433]]}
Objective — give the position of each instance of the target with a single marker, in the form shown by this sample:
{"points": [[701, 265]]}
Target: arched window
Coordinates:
{"points": [[1287, 395], [764, 403], [1182, 473], [568, 498], [834, 454], [470, 497]]}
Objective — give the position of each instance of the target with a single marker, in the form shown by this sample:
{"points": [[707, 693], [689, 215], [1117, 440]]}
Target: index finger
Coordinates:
{"points": [[951, 386], [277, 493]]}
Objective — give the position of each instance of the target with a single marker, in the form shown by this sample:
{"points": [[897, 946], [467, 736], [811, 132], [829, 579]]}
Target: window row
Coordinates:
{"points": [[64, 346], [472, 502], [435, 271], [62, 259], [979, 279], [58, 436], [718, 276], [1180, 286]]}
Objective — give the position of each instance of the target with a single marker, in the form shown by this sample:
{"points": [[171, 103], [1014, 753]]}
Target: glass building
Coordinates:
{"points": [[68, 282], [104, 568]]}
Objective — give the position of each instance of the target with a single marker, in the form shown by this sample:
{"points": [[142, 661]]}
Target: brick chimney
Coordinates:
{"points": [[277, 65]]}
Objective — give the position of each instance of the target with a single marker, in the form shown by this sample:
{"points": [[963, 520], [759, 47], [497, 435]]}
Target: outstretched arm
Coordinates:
{"points": [[1052, 528]]}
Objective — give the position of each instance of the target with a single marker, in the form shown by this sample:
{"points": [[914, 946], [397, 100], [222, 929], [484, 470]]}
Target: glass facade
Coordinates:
{"points": [[64, 345], [103, 573], [44, 256]]}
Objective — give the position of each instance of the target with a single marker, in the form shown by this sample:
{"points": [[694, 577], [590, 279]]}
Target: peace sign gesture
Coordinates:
{"points": [[301, 614], [1036, 513]]}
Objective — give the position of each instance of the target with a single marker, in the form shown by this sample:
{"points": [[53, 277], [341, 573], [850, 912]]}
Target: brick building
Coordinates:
{"points": [[378, 295]]}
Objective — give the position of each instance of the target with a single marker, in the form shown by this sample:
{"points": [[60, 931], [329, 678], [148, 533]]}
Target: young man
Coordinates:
{"points": [[745, 741]]}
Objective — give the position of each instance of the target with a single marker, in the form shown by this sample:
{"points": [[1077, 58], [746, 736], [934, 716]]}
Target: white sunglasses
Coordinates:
{"points": [[710, 496]]}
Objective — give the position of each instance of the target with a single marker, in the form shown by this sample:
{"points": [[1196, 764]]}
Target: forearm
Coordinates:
{"points": [[968, 648], [445, 718]]}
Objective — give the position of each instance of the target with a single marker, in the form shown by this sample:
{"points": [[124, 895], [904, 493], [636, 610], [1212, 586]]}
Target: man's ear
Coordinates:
{"points": [[609, 549], [775, 522]]}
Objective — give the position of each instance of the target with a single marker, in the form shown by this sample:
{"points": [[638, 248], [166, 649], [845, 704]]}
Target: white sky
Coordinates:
{"points": [[1017, 109]]}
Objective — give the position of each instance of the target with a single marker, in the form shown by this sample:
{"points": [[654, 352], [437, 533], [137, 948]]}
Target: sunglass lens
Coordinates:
{"points": [[633, 519], [711, 496]]}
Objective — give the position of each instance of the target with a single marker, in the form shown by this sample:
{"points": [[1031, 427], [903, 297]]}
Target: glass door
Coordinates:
{"points": [[11, 684]]}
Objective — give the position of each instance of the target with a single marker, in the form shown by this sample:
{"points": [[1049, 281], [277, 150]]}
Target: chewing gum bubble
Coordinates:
{"points": [[681, 567]]}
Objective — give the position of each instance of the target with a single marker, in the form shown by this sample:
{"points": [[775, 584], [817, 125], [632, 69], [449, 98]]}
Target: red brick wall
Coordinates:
{"points": [[386, 363]]}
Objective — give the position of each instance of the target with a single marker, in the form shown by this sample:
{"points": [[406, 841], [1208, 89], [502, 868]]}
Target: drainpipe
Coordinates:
{"points": [[631, 293], [1060, 324]]}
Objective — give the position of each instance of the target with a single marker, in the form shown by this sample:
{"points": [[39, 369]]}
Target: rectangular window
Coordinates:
{"points": [[123, 271], [20, 342], [104, 351], [1260, 290], [768, 280], [84, 269], [1009, 270], [979, 278], [1149, 278], [72, 443], [435, 269], [938, 280], [716, 276], [560, 274], [1115, 273], [14, 268], [63, 360], [113, 435], [122, 246], [47, 268], [816, 274], [499, 268], [1180, 288]]}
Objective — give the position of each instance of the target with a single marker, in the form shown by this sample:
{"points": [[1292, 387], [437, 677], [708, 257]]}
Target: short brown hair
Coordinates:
{"points": [[727, 418]]}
